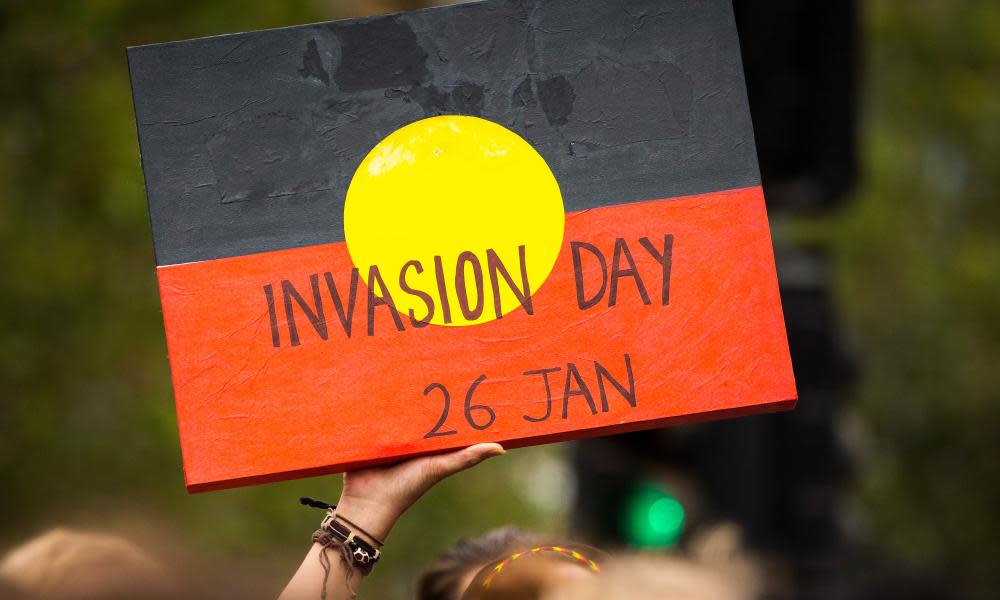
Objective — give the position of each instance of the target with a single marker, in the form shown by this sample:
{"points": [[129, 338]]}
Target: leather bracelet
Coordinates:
{"points": [[332, 532], [358, 528]]}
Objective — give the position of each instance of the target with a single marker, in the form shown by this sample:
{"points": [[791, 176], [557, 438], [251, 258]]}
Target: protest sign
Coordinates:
{"points": [[511, 221]]}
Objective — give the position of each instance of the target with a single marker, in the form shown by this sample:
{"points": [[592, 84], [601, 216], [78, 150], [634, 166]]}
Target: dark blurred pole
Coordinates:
{"points": [[778, 476]]}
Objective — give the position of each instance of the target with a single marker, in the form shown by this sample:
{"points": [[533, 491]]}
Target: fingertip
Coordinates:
{"points": [[490, 449], [480, 452]]}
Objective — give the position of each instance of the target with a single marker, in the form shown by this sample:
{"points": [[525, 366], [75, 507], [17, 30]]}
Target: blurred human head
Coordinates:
{"points": [[529, 573], [448, 576], [74, 565], [651, 577], [714, 567], [529, 566]]}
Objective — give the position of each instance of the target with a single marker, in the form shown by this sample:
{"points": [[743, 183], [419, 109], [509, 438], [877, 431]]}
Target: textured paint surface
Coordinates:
{"points": [[251, 412], [249, 140], [662, 305]]}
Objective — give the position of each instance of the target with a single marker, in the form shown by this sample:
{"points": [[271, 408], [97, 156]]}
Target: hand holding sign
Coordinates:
{"points": [[375, 498]]}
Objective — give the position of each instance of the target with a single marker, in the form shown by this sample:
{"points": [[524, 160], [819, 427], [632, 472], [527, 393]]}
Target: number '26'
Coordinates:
{"points": [[471, 410]]}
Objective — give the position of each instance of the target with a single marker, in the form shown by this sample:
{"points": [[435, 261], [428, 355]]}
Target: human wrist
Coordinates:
{"points": [[375, 518]]}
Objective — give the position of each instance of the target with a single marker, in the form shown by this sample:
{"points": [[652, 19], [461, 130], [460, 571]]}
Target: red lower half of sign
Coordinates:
{"points": [[286, 365]]}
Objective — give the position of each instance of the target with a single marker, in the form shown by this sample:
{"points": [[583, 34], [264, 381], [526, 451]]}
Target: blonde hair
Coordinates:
{"points": [[74, 565]]}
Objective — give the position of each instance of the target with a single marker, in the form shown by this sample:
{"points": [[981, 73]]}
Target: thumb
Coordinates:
{"points": [[479, 452], [453, 462]]}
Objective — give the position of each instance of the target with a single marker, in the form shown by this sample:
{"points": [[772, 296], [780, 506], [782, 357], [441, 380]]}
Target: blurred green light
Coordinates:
{"points": [[652, 518]]}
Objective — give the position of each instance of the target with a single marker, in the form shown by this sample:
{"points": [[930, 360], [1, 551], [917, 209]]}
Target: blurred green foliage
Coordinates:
{"points": [[87, 430], [919, 278]]}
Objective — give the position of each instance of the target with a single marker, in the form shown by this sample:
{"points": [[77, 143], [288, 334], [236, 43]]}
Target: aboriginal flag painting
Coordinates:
{"points": [[512, 221]]}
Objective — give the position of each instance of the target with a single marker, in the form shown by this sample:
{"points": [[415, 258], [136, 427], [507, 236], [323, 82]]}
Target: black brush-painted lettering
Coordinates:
{"points": [[627, 393], [548, 393], [272, 316], [581, 300], [572, 373], [374, 277], [346, 317], [665, 259], [470, 407], [470, 313], [436, 430], [424, 296], [314, 314], [622, 251], [442, 289], [523, 294]]}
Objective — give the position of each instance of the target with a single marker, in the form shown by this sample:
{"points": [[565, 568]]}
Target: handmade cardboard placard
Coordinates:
{"points": [[512, 221]]}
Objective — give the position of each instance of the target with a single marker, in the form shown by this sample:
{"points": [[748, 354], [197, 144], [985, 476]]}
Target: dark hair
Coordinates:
{"points": [[441, 580]]}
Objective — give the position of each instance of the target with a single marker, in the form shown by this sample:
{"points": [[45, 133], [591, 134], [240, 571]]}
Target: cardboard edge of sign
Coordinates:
{"points": [[725, 413]]}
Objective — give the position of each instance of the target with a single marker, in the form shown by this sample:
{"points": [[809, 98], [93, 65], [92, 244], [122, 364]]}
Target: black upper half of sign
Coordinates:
{"points": [[249, 141]]}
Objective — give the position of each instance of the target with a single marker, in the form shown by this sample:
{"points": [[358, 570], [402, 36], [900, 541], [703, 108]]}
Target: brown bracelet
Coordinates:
{"points": [[333, 533], [358, 528]]}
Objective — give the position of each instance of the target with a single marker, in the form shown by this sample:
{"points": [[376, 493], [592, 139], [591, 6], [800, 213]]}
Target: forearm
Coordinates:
{"points": [[340, 581], [308, 581]]}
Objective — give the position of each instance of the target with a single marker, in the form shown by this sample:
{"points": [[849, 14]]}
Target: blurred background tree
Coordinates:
{"points": [[87, 430], [919, 274]]}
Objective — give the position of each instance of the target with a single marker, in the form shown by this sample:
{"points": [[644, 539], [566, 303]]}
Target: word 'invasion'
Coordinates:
{"points": [[468, 286]]}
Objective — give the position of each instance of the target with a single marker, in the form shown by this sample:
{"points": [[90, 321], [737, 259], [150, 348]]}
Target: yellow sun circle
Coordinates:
{"points": [[461, 217]]}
